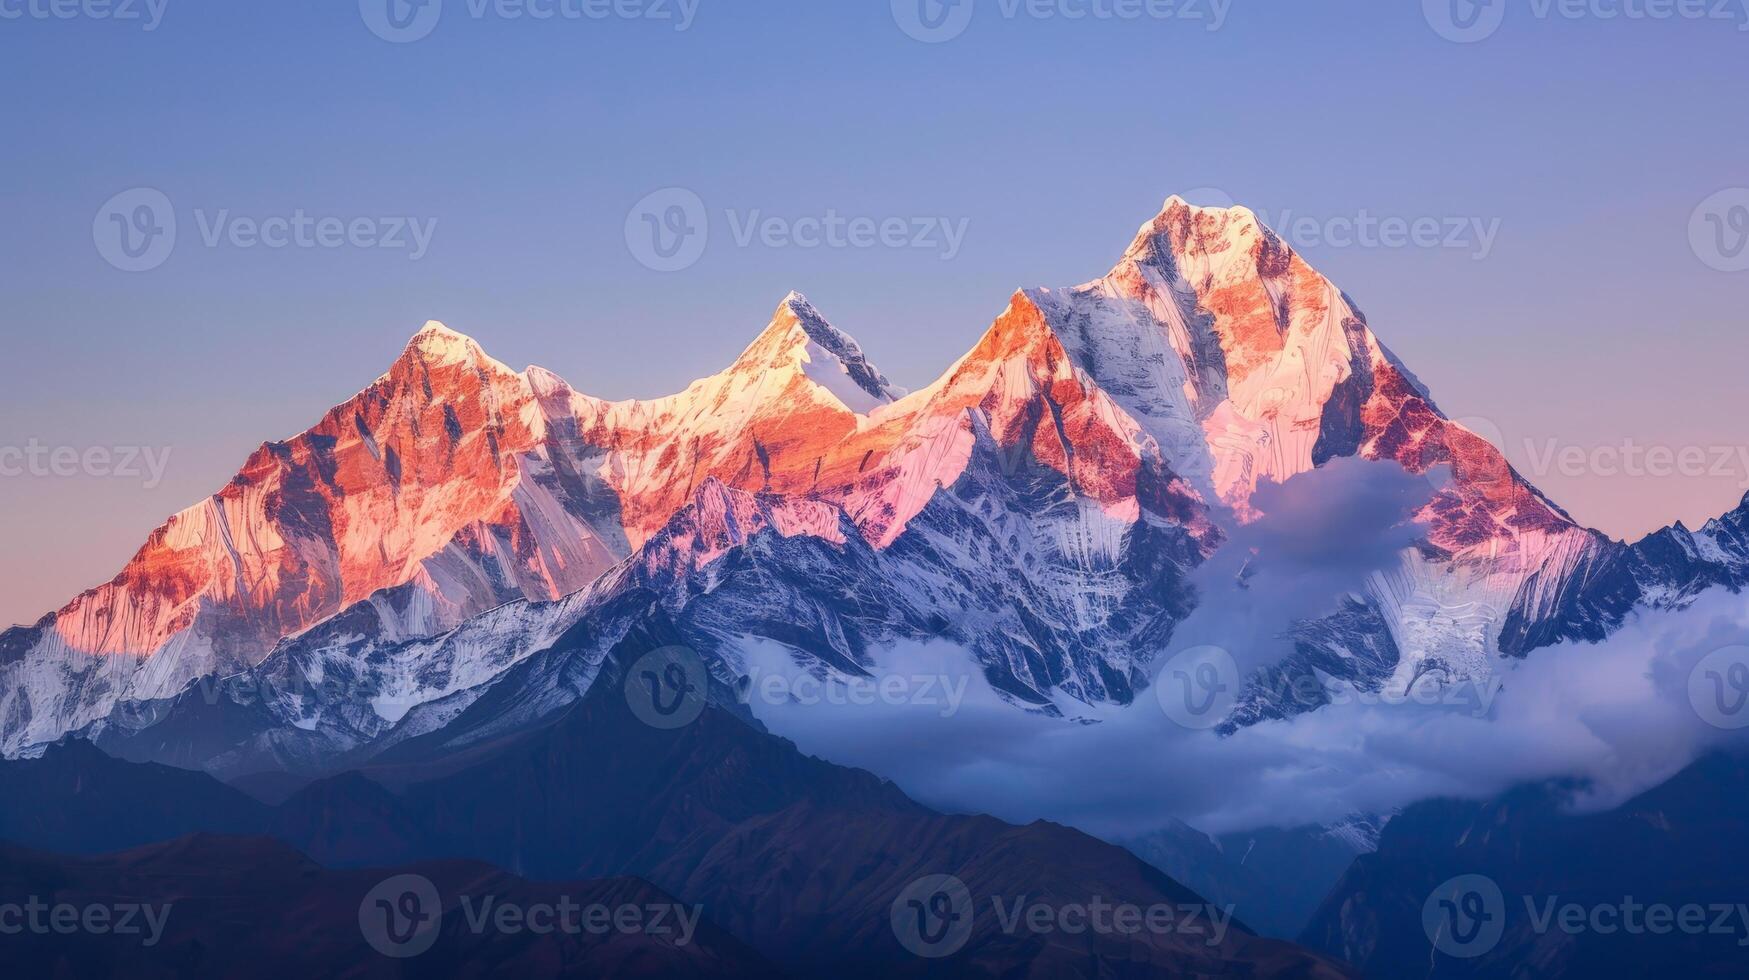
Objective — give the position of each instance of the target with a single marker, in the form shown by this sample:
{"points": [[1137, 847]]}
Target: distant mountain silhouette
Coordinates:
{"points": [[1680, 844], [801, 859], [253, 907]]}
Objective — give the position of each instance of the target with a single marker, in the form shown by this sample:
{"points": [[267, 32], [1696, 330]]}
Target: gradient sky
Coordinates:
{"points": [[1591, 321]]}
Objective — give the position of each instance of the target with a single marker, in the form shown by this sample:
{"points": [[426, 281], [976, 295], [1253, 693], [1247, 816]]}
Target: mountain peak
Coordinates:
{"points": [[438, 332], [438, 344], [1225, 212], [799, 337], [436, 341], [1212, 234], [795, 314], [1212, 202], [545, 383]]}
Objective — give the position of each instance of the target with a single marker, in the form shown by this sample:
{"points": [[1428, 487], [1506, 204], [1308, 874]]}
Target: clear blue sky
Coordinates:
{"points": [[1591, 142]]}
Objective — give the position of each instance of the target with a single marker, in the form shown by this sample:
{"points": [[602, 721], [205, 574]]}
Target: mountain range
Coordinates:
{"points": [[419, 638], [450, 554]]}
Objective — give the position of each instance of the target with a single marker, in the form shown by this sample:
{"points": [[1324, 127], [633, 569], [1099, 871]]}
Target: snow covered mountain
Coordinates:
{"points": [[449, 487], [438, 493], [465, 543]]}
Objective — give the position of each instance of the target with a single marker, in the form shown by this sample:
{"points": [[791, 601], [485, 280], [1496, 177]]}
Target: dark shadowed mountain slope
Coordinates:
{"points": [[78, 800], [248, 906], [1275, 879], [1678, 846], [803, 860]]}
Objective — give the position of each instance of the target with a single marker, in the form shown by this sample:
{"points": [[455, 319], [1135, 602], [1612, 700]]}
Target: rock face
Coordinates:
{"points": [[1041, 503]]}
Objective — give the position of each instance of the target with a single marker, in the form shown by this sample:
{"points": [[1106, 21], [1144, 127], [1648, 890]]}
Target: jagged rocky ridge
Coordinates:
{"points": [[1041, 504]]}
